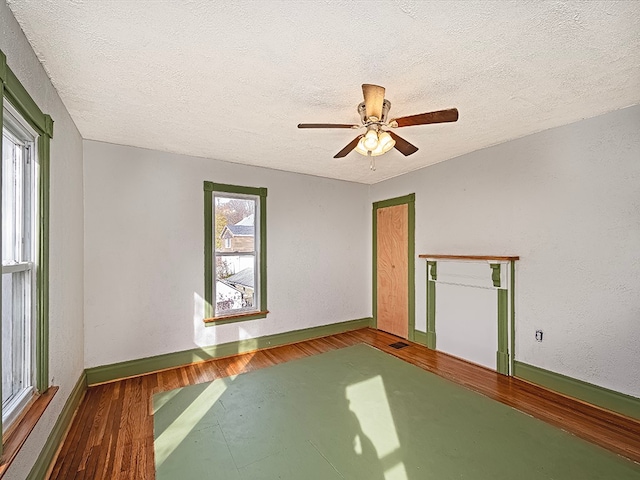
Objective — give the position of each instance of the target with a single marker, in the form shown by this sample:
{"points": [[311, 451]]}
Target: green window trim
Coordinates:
{"points": [[235, 318], [22, 101], [19, 98], [209, 310]]}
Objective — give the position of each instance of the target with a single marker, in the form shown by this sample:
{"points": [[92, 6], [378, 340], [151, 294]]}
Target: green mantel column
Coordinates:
{"points": [[432, 268]]}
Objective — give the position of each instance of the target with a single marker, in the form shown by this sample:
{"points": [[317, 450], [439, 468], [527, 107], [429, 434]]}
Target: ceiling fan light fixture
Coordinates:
{"points": [[361, 149], [371, 140], [378, 139], [377, 152], [385, 142]]}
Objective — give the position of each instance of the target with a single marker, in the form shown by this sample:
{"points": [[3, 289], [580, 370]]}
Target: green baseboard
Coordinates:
{"points": [[39, 469], [602, 397], [420, 337], [107, 373]]}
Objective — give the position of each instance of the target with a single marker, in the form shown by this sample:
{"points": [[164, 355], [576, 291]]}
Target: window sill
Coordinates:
{"points": [[240, 317], [20, 430]]}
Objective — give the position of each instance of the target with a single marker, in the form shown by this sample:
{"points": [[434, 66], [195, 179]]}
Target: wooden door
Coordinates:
{"points": [[392, 269]]}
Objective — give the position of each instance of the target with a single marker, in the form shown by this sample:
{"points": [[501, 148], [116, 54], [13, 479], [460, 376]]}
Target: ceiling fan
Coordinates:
{"points": [[378, 138]]}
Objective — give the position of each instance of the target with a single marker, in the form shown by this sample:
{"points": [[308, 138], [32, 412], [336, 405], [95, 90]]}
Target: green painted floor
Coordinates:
{"points": [[358, 413]]}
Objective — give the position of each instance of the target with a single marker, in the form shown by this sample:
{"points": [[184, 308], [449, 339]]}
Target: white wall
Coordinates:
{"points": [[566, 200], [467, 311], [66, 237], [144, 243]]}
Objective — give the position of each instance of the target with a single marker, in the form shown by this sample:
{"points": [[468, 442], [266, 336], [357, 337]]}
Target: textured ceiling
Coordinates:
{"points": [[231, 80]]}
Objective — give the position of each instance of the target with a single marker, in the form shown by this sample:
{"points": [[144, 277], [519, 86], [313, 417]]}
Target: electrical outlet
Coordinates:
{"points": [[539, 335]]}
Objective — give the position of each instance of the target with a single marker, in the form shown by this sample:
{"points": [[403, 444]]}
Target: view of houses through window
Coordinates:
{"points": [[235, 253]]}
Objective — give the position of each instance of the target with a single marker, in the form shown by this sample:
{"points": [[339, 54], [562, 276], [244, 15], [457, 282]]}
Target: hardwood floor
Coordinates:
{"points": [[111, 436]]}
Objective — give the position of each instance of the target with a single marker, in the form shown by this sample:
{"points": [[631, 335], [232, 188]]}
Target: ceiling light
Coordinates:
{"points": [[378, 139], [383, 143], [360, 148], [371, 139]]}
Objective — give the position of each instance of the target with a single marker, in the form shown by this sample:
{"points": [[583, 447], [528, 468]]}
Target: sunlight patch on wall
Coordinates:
{"points": [[243, 334], [201, 337]]}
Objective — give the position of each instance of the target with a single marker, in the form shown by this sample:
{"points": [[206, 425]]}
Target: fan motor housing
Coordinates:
{"points": [[362, 110]]}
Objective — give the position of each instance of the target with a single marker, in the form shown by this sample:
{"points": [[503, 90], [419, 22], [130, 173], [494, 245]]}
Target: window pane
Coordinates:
{"points": [[235, 253], [11, 185], [16, 333], [18, 235], [235, 282], [234, 224], [7, 335]]}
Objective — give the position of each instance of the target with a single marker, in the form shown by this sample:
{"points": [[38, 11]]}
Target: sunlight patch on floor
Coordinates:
{"points": [[164, 399], [368, 401], [187, 421]]}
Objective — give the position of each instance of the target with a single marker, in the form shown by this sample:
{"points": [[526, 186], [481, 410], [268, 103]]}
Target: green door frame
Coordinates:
{"points": [[410, 200]]}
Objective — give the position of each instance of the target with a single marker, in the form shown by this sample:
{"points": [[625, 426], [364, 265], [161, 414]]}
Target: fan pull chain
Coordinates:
{"points": [[372, 162]]}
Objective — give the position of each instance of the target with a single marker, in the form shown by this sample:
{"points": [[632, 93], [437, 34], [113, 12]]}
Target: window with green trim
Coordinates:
{"points": [[24, 207], [235, 252]]}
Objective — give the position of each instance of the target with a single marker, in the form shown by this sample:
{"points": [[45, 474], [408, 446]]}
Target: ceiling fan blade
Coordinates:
{"points": [[327, 125], [403, 146], [440, 116], [373, 100], [346, 150]]}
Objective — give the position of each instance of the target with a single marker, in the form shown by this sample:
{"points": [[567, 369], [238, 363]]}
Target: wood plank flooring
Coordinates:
{"points": [[111, 436]]}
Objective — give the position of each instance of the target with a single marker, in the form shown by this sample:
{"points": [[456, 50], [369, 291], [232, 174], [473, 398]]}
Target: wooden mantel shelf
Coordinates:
{"points": [[469, 257]]}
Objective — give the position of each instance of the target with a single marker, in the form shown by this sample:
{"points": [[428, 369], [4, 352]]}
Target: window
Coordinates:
{"points": [[24, 296], [235, 253], [19, 242]]}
